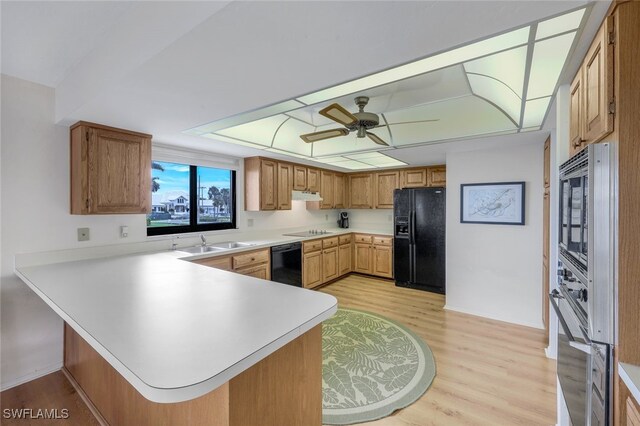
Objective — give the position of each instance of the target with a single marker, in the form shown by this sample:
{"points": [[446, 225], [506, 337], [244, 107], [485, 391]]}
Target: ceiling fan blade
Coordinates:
{"points": [[337, 113], [407, 122], [376, 139], [325, 134]]}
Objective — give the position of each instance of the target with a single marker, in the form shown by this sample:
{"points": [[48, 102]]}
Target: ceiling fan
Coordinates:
{"points": [[360, 122]]}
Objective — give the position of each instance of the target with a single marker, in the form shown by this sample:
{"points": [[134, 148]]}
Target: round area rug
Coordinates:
{"points": [[371, 367]]}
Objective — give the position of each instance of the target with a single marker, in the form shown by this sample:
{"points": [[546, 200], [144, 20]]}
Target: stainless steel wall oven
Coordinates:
{"points": [[584, 300]]}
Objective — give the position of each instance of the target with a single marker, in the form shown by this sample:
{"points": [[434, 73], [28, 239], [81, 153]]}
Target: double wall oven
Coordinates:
{"points": [[584, 299]]}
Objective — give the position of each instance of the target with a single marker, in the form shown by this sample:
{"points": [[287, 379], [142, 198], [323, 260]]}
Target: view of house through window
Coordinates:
{"points": [[187, 198], [214, 195]]}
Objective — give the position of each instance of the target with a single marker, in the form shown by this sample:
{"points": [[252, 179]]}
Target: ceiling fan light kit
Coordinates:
{"points": [[359, 122]]}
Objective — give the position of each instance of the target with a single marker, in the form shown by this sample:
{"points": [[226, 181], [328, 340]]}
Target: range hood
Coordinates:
{"points": [[305, 196]]}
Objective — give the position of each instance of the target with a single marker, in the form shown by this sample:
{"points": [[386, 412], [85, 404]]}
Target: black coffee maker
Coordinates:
{"points": [[343, 221]]}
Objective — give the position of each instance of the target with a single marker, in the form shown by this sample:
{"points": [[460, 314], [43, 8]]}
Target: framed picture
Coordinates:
{"points": [[500, 203]]}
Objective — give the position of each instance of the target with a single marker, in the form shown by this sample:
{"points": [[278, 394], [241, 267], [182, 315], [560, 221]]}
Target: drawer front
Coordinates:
{"points": [[216, 262], [361, 238], [250, 259], [382, 241], [260, 271], [310, 246], [344, 239], [330, 242]]}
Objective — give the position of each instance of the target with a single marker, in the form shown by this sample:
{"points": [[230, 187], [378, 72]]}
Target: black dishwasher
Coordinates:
{"points": [[286, 264]]}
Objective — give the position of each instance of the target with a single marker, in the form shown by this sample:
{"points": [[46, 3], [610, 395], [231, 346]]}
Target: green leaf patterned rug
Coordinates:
{"points": [[372, 366]]}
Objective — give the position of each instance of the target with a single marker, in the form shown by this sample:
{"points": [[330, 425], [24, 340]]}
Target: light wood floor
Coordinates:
{"points": [[488, 372]]}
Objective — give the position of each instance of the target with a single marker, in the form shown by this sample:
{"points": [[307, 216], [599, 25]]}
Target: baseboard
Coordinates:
{"points": [[477, 314], [85, 398], [31, 376]]}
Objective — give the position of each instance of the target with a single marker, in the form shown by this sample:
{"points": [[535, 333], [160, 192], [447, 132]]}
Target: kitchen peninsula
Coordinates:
{"points": [[153, 339]]}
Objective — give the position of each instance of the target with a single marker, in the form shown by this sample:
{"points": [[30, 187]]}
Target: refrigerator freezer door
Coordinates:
{"points": [[403, 256], [429, 239]]}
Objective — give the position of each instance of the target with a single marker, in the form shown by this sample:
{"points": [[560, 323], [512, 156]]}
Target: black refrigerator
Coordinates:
{"points": [[419, 238]]}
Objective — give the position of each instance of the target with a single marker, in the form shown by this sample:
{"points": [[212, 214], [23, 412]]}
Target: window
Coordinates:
{"points": [[188, 198]]}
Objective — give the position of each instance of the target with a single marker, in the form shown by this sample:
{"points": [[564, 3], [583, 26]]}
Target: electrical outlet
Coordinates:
{"points": [[326, 217], [124, 231], [83, 234], [249, 223]]}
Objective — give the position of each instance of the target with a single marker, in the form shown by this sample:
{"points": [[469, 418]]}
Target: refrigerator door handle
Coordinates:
{"points": [[412, 221]]}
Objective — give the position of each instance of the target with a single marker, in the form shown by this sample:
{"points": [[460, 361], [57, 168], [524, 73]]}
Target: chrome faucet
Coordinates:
{"points": [[204, 240]]}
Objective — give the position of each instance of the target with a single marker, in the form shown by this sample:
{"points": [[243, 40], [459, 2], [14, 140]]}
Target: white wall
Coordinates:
{"points": [[35, 217], [495, 271]]}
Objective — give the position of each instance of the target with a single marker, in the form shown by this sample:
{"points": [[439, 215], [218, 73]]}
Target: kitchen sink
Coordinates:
{"points": [[230, 245], [200, 249]]}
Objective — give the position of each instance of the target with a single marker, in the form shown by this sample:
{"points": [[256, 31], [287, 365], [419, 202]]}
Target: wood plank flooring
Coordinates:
{"points": [[488, 372], [52, 391]]}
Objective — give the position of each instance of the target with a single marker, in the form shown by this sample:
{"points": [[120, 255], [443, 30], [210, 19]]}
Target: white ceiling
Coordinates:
{"points": [[42, 41], [190, 63]]}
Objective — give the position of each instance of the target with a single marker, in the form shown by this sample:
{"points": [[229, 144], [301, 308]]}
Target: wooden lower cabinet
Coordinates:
{"points": [[633, 414], [329, 264], [223, 263], [344, 259], [373, 255], [312, 269], [285, 388], [383, 261], [260, 271], [362, 258], [255, 263]]}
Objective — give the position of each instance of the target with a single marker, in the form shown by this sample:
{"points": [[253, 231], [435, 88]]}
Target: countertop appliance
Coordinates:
{"points": [[343, 221], [309, 233], [419, 243], [286, 264], [584, 300]]}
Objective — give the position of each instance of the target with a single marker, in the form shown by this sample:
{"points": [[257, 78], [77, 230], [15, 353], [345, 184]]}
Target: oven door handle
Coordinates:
{"points": [[583, 347]]}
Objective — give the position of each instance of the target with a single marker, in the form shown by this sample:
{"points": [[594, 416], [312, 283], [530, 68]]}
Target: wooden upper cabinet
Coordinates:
{"points": [[385, 184], [576, 128], [326, 189], [339, 201], [261, 184], [285, 185], [414, 178], [437, 176], [361, 191], [110, 170], [299, 178], [268, 185], [313, 180], [598, 84], [592, 103]]}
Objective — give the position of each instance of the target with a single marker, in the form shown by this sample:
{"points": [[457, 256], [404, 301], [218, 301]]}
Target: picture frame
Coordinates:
{"points": [[496, 203]]}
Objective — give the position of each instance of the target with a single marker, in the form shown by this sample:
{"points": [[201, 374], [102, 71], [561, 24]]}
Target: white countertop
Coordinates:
{"points": [[273, 240], [630, 375], [175, 330]]}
